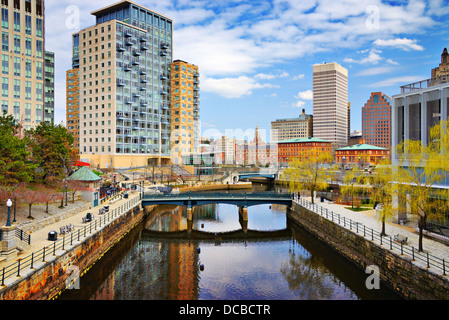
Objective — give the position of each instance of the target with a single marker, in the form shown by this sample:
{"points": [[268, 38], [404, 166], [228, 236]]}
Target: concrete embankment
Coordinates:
{"points": [[399, 272], [48, 278]]}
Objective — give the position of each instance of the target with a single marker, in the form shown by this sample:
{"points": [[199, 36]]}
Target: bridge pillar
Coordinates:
{"points": [[189, 218], [243, 217]]}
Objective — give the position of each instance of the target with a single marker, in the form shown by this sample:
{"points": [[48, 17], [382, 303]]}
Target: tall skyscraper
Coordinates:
{"points": [[376, 120], [330, 103], [184, 109], [123, 64], [23, 60]]}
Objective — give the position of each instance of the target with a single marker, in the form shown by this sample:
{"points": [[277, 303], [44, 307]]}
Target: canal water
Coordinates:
{"points": [[272, 260]]}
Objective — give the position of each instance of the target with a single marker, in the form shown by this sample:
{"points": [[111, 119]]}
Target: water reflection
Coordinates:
{"points": [[297, 266]]}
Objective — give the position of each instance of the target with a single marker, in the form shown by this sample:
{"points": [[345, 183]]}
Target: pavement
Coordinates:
{"points": [[368, 218], [39, 238]]}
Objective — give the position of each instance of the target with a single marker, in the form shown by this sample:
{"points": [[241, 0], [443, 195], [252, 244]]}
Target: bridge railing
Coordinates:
{"points": [[232, 195], [428, 259]]}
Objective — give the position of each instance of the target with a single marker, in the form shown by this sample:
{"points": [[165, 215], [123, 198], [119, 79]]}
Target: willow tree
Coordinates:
{"points": [[311, 171], [351, 185], [421, 169], [382, 188]]}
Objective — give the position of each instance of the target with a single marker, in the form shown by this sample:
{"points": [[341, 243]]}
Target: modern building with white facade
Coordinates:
{"points": [[417, 109]]}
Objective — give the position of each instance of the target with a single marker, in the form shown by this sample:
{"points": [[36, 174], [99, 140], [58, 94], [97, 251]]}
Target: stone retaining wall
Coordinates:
{"points": [[39, 224], [49, 278], [398, 272]]}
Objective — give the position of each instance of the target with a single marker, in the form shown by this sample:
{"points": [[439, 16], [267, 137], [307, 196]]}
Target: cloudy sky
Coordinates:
{"points": [[256, 57]]}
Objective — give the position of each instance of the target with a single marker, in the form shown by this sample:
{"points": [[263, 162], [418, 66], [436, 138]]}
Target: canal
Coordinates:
{"points": [[273, 260]]}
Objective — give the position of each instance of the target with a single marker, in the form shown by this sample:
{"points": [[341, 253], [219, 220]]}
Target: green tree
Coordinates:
{"points": [[52, 149], [309, 172], [15, 158]]}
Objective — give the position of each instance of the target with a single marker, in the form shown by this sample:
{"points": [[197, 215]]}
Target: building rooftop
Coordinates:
{"points": [[424, 84], [84, 174], [300, 140], [123, 4], [363, 146]]}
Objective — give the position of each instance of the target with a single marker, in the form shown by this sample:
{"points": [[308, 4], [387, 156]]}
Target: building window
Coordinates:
{"points": [[5, 23]]}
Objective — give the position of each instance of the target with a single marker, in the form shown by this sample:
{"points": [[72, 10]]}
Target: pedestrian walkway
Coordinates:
{"points": [[39, 238], [433, 247]]}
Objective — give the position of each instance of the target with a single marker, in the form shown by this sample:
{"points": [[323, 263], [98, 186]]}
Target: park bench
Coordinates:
{"points": [[400, 238]]}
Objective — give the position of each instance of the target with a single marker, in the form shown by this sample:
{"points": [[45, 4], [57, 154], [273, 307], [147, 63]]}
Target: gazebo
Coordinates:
{"points": [[91, 182]]}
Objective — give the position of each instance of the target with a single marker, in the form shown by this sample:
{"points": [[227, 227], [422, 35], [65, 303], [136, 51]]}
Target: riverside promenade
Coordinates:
{"points": [[435, 254], [40, 237], [433, 259]]}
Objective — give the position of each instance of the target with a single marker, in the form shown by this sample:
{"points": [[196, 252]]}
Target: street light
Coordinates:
{"points": [[9, 204]]}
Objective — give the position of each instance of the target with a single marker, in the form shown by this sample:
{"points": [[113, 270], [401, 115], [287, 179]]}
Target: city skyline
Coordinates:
{"points": [[256, 61]]}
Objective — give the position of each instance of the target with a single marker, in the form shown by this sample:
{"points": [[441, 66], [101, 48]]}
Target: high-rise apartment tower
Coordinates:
{"points": [[184, 109], [23, 60], [123, 64]]}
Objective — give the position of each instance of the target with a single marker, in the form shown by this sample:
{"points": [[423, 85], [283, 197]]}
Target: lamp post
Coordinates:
{"points": [[9, 204]]}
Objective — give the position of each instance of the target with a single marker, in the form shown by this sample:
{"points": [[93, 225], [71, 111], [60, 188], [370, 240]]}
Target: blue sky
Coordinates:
{"points": [[256, 57]]}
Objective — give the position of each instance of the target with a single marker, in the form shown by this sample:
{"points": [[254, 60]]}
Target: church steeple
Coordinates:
{"points": [[257, 138]]}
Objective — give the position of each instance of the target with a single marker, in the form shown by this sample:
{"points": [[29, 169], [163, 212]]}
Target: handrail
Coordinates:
{"points": [[29, 261], [376, 237]]}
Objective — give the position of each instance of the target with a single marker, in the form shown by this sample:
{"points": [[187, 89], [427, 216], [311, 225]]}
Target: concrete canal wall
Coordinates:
{"points": [[398, 272], [50, 278]]}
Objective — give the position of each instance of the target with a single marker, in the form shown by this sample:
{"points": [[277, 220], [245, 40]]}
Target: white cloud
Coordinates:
{"points": [[390, 61], [397, 81], [264, 76], [299, 77], [372, 58], [375, 71], [305, 95], [401, 43], [233, 87]]}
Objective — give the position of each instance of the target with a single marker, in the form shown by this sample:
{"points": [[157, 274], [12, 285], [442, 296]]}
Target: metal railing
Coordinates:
{"points": [[431, 261], [423, 84], [40, 256], [218, 195], [23, 236]]}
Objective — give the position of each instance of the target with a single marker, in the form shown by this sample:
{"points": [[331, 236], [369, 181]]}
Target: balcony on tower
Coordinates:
{"points": [[120, 47]]}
